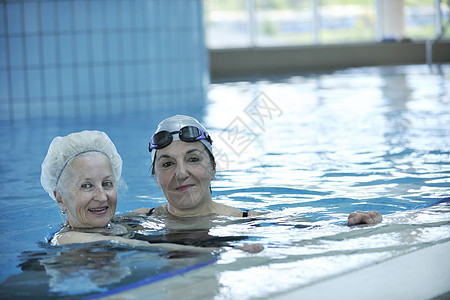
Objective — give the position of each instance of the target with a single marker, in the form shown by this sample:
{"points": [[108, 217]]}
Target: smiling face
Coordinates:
{"points": [[184, 172], [88, 194]]}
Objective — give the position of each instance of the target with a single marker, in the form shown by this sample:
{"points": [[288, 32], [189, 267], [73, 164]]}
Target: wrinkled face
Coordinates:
{"points": [[88, 195], [184, 172]]}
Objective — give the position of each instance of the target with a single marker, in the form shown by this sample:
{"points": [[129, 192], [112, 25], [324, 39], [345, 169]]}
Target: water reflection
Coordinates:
{"points": [[89, 269]]}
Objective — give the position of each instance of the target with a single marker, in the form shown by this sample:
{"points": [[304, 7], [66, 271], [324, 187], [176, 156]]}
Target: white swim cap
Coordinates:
{"points": [[63, 149], [177, 122]]}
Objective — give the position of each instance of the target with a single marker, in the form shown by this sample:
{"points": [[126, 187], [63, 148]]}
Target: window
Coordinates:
{"points": [[420, 19], [258, 23], [347, 21], [227, 23]]}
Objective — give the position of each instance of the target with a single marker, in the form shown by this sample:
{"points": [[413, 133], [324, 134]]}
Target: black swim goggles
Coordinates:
{"points": [[188, 134]]}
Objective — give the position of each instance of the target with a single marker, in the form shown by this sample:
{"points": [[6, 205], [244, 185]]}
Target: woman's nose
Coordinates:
{"points": [[181, 172], [100, 194]]}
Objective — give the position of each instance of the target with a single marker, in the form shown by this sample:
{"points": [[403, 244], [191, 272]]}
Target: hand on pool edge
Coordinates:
{"points": [[251, 248], [364, 217]]}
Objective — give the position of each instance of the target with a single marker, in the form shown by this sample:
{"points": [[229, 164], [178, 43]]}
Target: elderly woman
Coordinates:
{"points": [[81, 172], [184, 166]]}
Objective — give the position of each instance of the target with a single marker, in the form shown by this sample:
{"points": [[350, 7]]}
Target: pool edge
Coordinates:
{"points": [[421, 274]]}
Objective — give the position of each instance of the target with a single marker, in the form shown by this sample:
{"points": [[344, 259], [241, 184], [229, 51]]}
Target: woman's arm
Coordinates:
{"points": [[143, 210], [75, 237]]}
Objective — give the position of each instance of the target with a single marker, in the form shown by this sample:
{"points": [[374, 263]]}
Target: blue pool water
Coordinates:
{"points": [[317, 146]]}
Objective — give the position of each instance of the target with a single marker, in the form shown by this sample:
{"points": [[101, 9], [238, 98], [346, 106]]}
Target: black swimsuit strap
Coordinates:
{"points": [[150, 212]]}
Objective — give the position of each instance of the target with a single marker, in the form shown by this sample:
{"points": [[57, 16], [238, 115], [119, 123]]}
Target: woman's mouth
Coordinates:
{"points": [[98, 210], [184, 188]]}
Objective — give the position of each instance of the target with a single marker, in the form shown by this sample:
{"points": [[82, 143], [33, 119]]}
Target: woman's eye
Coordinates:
{"points": [[167, 164], [193, 159], [86, 185], [108, 184]]}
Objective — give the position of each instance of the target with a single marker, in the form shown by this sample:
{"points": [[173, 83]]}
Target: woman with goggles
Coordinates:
{"points": [[184, 166]]}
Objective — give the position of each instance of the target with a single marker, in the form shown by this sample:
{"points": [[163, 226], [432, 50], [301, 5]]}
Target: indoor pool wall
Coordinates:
{"points": [[90, 58], [323, 146]]}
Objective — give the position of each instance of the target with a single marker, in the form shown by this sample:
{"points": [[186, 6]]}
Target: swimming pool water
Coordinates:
{"points": [[317, 146]]}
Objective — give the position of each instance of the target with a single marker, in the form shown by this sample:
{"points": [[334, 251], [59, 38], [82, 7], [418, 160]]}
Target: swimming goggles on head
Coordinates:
{"points": [[188, 134]]}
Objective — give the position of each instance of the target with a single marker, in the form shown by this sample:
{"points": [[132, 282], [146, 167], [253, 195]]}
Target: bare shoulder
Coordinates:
{"points": [[222, 209], [226, 210], [159, 210], [143, 210], [76, 237], [255, 213]]}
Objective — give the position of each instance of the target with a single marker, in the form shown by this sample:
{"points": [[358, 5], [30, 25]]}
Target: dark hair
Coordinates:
{"points": [[211, 158]]}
